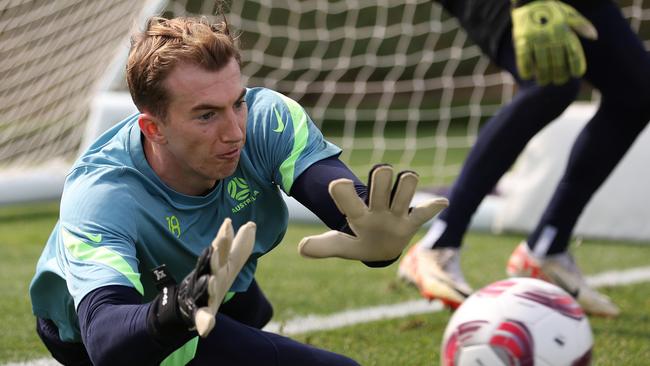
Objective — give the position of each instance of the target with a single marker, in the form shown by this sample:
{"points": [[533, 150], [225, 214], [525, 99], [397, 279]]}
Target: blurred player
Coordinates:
{"points": [[541, 44], [204, 156]]}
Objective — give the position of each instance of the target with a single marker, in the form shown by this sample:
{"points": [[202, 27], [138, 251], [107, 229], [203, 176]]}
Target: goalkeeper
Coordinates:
{"points": [[164, 217], [550, 48]]}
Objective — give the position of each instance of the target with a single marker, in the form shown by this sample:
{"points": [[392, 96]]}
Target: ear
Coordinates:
{"points": [[151, 128]]}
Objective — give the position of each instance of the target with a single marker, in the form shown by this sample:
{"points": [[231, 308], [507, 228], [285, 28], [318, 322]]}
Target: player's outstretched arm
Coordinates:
{"points": [[196, 299], [383, 227], [545, 36]]}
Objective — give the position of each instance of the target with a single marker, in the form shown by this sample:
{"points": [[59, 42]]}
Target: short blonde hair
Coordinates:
{"points": [[164, 44]]}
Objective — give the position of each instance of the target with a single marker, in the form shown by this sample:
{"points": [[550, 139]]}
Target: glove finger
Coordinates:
{"points": [[524, 58], [242, 247], [559, 67], [427, 210], [403, 192], [222, 244], [217, 288], [224, 275], [576, 57], [329, 244], [379, 187], [204, 321], [346, 198], [213, 288], [542, 61], [578, 22]]}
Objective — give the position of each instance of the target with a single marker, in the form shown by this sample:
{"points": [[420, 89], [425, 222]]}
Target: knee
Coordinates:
{"points": [[255, 316], [264, 315], [626, 95], [259, 315], [631, 104], [251, 308]]}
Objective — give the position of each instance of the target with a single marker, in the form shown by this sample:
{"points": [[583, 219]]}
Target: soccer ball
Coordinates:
{"points": [[518, 321]]}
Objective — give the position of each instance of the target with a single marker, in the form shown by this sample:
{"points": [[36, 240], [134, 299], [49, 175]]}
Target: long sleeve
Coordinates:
{"points": [[113, 324]]}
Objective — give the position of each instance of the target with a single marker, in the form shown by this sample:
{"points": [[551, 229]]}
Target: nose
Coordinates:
{"points": [[233, 128]]}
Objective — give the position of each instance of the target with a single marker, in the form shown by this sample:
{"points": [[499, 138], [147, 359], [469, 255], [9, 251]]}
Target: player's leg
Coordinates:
{"points": [[251, 307], [619, 66], [233, 343], [437, 274], [67, 353]]}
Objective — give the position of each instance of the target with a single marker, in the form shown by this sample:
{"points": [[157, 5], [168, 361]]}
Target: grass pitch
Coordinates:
{"points": [[299, 287]]}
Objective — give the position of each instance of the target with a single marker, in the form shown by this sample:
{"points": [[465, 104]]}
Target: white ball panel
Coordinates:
{"points": [[480, 355]]}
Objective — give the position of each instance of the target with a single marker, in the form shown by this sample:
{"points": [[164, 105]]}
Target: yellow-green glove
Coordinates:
{"points": [[545, 41]]}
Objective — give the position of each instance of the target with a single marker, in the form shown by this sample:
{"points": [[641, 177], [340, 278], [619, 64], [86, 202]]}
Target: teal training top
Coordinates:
{"points": [[118, 220]]}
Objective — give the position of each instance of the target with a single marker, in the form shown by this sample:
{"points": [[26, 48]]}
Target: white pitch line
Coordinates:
{"points": [[618, 278], [312, 323], [346, 318]]}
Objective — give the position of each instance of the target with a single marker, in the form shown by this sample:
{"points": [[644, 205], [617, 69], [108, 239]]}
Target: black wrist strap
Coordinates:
{"points": [[164, 320], [162, 277]]}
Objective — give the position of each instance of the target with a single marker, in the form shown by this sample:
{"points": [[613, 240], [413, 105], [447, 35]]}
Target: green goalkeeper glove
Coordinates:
{"points": [[383, 228], [545, 41], [195, 301]]}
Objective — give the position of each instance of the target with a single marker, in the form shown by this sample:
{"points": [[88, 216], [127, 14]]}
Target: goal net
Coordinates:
{"points": [[395, 82], [388, 83], [53, 55]]}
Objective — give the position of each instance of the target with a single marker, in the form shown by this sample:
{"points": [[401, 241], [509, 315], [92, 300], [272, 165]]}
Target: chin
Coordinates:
{"points": [[225, 172]]}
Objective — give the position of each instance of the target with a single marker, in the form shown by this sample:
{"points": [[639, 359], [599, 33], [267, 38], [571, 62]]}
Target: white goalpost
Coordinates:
{"points": [[54, 57], [395, 82]]}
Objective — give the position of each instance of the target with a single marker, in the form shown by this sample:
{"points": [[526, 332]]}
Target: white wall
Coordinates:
{"points": [[620, 209]]}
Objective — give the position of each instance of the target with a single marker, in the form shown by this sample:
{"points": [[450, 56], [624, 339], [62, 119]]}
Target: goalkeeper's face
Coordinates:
{"points": [[205, 127]]}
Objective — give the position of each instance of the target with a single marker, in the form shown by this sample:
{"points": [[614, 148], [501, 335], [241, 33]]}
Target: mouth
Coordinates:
{"points": [[229, 155]]}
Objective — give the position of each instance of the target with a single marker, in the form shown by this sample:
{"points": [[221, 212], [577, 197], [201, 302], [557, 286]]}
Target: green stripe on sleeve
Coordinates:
{"points": [[301, 134], [85, 252], [182, 355], [229, 295]]}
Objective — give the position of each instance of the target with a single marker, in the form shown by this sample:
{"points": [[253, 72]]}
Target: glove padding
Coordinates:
{"points": [[194, 302], [545, 41], [383, 228], [228, 255]]}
